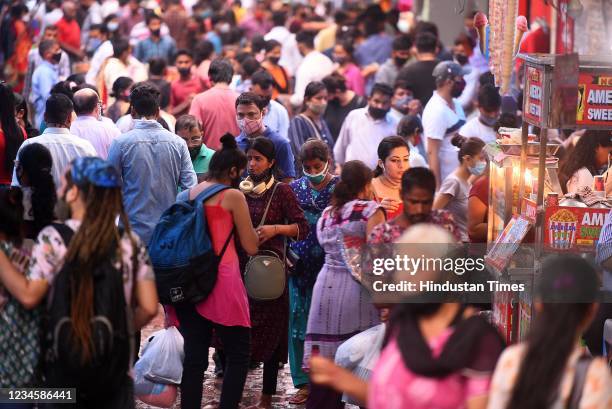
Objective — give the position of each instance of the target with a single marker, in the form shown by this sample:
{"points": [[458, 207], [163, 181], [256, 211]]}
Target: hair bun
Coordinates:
{"points": [[228, 141], [458, 140]]}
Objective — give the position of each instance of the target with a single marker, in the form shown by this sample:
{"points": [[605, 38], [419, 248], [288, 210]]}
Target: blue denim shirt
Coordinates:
{"points": [[153, 164]]}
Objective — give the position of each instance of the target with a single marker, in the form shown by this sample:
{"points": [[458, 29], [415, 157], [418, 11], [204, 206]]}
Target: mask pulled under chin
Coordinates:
{"points": [[62, 210]]}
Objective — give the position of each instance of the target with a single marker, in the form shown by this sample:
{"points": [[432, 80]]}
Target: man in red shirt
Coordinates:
{"points": [[183, 89], [216, 108], [69, 32]]}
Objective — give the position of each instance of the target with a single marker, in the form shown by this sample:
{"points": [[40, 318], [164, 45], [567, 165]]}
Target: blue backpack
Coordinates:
{"points": [[182, 253]]}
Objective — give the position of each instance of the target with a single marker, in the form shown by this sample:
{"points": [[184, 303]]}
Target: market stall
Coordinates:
{"points": [[528, 215]]}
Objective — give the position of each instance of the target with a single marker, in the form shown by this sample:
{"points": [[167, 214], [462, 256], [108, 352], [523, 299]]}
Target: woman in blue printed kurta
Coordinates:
{"points": [[313, 191]]}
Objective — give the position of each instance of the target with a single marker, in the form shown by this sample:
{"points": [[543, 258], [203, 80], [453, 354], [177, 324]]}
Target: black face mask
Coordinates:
{"points": [[156, 33], [193, 152], [57, 57], [400, 61], [274, 60], [458, 88], [377, 113], [184, 71], [461, 59]]}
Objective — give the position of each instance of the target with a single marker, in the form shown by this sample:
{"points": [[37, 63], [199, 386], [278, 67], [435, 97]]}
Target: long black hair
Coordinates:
{"points": [[13, 136], [11, 214], [569, 284], [355, 176], [583, 155], [20, 105], [35, 162]]}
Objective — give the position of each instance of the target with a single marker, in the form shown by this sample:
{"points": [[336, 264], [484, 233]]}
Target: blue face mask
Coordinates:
{"points": [[488, 121], [479, 168]]}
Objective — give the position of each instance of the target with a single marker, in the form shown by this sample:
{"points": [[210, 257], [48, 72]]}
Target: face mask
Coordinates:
{"points": [[317, 108], [316, 179], [156, 33], [194, 152], [400, 104], [274, 60], [93, 44], [341, 60], [62, 208], [478, 169], [250, 126], [458, 88], [113, 26], [403, 26], [184, 71], [487, 120], [461, 59], [400, 61], [377, 113], [262, 177], [57, 57]]}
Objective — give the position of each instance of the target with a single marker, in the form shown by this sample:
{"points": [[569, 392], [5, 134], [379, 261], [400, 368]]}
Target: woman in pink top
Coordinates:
{"points": [[343, 55], [437, 356], [226, 310]]}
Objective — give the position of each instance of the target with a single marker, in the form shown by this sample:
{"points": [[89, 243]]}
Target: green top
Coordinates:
{"points": [[201, 162]]}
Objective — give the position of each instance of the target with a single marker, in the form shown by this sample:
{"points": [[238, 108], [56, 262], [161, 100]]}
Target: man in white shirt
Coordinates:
{"points": [[364, 128], [489, 107], [104, 51], [277, 117], [442, 118], [89, 124], [63, 146], [314, 67], [290, 54]]}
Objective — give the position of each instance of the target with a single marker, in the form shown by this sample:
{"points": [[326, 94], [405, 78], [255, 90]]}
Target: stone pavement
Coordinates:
{"points": [[212, 386]]}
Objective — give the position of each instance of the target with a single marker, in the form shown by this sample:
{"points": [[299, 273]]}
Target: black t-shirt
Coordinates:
{"points": [[419, 78], [335, 113]]}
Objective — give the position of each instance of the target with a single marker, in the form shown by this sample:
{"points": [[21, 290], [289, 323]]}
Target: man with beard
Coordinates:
{"points": [[186, 87], [188, 128], [417, 193], [443, 117], [364, 128], [153, 163]]}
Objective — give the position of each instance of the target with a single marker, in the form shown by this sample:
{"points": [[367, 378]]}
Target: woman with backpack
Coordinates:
{"points": [[276, 212], [110, 270], [551, 369], [226, 309]]}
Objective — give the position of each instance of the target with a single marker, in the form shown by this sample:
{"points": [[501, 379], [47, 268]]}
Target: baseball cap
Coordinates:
{"points": [[449, 69]]}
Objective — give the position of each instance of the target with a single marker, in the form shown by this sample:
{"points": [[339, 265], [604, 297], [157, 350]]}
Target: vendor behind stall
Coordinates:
{"points": [[590, 157]]}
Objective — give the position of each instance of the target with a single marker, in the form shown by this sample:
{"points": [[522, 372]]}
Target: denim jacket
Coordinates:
{"points": [[153, 164]]}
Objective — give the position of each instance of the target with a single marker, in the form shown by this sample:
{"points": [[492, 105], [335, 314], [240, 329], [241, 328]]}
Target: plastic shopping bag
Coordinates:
{"points": [[151, 393], [161, 360], [360, 353]]}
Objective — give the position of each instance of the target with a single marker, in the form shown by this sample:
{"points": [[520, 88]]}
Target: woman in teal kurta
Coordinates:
{"points": [[314, 191]]}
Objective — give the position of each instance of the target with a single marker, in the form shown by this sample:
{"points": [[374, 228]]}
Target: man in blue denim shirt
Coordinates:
{"points": [[153, 163]]}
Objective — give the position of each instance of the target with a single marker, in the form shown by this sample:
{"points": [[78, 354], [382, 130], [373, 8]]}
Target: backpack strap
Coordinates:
{"points": [[210, 192], [580, 375], [65, 232]]}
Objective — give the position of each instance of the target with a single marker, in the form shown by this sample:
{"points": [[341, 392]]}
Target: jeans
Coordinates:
{"points": [[197, 333]]}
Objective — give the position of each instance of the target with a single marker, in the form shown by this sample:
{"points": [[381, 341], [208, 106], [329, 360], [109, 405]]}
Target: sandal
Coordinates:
{"points": [[300, 396]]}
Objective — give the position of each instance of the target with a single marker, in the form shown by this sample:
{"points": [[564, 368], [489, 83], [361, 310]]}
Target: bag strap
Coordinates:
{"points": [[227, 241], [209, 192], [263, 219], [313, 126], [580, 375]]}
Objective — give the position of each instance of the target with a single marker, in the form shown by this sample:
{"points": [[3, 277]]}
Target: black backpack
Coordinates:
{"points": [[105, 373]]}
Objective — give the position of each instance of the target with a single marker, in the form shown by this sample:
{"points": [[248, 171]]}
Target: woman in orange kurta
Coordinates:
{"points": [[17, 65]]}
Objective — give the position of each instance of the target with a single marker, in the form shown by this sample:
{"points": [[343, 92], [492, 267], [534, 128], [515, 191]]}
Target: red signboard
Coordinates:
{"points": [[595, 98], [573, 228], [529, 210], [533, 107]]}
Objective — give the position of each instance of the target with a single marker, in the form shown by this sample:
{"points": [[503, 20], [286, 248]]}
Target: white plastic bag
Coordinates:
{"points": [[161, 360], [151, 393], [360, 353]]}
